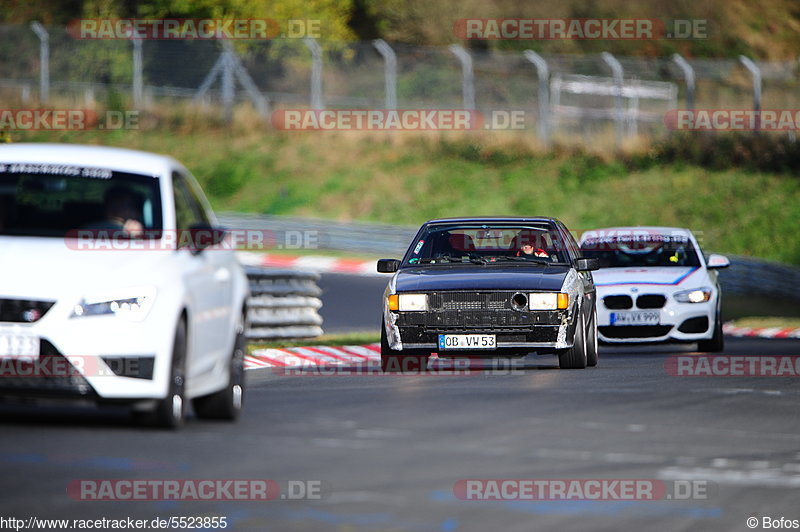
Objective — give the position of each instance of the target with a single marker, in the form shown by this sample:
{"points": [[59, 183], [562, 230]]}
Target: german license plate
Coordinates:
{"points": [[19, 345], [467, 341], [635, 318]]}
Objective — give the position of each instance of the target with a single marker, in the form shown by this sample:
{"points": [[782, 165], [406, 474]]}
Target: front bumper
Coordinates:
{"points": [[677, 322], [537, 330], [101, 358]]}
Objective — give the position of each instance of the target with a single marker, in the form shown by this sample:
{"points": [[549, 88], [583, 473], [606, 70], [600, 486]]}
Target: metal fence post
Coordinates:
{"points": [[390, 72], [543, 73], [688, 76], [756, 73], [316, 73], [616, 69], [138, 78], [227, 81], [467, 76], [229, 68], [44, 61]]}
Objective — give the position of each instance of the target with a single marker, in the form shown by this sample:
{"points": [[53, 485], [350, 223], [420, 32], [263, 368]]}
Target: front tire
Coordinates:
{"points": [[575, 357], [227, 403], [170, 412], [717, 341], [592, 355]]}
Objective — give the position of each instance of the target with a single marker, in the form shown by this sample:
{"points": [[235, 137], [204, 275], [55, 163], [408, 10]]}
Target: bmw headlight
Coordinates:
{"points": [[698, 295], [132, 304]]}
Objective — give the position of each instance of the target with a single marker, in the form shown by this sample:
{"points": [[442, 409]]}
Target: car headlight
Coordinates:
{"points": [[408, 302], [548, 301], [132, 304], [698, 295]]}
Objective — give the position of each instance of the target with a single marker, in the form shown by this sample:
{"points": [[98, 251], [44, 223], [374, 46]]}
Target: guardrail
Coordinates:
{"points": [[283, 304], [359, 237], [749, 276]]}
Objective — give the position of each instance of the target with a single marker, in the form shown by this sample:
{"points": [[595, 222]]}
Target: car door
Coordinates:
{"points": [[208, 278]]}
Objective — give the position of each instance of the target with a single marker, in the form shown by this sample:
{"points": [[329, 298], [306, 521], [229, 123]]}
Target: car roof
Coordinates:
{"points": [[512, 219], [663, 230], [116, 159]]}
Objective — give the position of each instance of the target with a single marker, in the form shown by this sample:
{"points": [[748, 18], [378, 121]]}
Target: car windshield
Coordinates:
{"points": [[641, 250], [481, 243], [60, 200]]}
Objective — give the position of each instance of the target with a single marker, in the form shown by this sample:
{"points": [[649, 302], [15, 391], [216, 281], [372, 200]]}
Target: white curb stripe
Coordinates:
{"points": [[314, 263], [754, 332], [351, 354]]}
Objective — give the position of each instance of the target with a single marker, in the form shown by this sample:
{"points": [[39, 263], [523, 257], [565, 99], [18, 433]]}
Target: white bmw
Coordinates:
{"points": [[116, 285], [655, 285]]}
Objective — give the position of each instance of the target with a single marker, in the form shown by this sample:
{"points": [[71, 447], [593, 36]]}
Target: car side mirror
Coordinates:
{"points": [[202, 236], [388, 265], [586, 265], [716, 262]]}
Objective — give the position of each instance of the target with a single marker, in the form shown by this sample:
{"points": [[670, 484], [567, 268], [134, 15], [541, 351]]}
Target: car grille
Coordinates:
{"points": [[51, 375], [445, 301], [635, 331], [23, 310], [618, 302], [651, 301]]}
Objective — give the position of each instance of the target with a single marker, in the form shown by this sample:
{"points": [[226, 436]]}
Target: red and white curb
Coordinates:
{"points": [[760, 332], [312, 263], [313, 356]]}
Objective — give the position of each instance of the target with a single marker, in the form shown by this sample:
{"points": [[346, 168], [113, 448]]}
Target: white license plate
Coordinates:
{"points": [[467, 341], [19, 345], [635, 318]]}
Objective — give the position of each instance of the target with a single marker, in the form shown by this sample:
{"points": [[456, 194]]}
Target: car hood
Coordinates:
{"points": [[477, 277], [46, 268], [664, 276]]}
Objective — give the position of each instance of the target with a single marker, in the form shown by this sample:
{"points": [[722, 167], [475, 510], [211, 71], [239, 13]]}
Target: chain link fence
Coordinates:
{"points": [[47, 66]]}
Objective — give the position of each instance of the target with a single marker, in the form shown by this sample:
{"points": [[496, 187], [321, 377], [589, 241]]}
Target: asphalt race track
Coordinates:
{"points": [[386, 451]]}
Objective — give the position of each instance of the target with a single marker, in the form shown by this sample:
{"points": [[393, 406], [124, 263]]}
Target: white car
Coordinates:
{"points": [[655, 285], [116, 285]]}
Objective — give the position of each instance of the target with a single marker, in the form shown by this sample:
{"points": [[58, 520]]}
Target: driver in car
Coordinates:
{"points": [[527, 247], [122, 212]]}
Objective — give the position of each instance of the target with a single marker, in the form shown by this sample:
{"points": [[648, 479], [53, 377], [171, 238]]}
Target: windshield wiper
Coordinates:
{"points": [[537, 260]]}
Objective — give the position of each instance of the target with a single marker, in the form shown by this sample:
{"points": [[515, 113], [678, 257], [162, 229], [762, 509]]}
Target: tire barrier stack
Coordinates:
{"points": [[283, 304]]}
